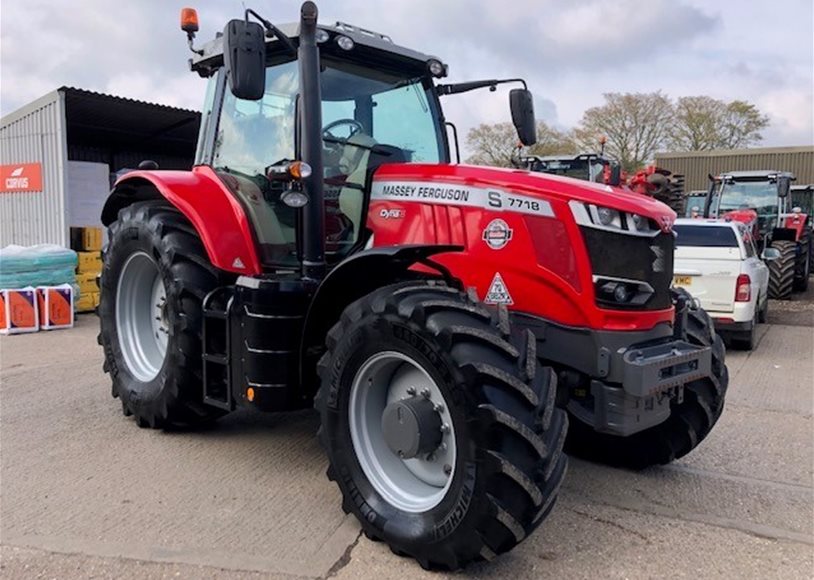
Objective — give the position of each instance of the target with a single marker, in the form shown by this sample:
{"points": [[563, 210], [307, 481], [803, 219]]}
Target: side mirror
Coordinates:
{"points": [[615, 177], [770, 254], [244, 58], [783, 186], [521, 103]]}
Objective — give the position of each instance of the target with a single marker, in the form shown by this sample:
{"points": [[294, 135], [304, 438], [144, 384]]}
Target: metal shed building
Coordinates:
{"points": [[696, 165], [59, 153]]}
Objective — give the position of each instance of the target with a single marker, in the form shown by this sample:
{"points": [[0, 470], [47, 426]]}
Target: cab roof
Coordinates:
{"points": [[755, 174], [212, 56]]}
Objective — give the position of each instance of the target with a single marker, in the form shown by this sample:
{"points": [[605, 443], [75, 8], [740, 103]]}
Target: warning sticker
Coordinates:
{"points": [[498, 293]]}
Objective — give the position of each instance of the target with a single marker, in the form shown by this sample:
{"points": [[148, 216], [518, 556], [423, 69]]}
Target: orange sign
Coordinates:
{"points": [[21, 177]]}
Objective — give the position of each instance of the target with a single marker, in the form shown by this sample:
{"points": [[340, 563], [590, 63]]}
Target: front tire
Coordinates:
{"points": [[497, 400], [154, 278], [689, 423]]}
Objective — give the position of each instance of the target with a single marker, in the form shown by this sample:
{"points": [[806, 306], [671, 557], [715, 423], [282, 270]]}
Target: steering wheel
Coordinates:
{"points": [[355, 127]]}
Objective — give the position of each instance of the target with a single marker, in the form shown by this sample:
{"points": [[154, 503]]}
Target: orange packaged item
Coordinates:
{"points": [[55, 306], [18, 311]]}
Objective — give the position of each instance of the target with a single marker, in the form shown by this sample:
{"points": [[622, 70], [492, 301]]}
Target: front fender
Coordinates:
{"points": [[359, 275], [200, 195]]}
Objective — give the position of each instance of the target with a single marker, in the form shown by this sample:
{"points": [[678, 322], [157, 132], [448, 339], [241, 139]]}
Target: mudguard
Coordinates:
{"points": [[360, 274], [200, 195]]}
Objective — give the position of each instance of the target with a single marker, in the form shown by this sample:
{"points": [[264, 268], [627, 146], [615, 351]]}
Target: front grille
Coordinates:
{"points": [[637, 258]]}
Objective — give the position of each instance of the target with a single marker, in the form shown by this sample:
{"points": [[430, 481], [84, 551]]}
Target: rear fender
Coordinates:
{"points": [[361, 274], [792, 232], [794, 224], [199, 194]]}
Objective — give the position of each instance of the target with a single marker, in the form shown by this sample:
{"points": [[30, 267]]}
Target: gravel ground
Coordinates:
{"points": [[86, 494]]}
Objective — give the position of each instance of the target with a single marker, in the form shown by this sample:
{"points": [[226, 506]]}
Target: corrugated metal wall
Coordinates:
{"points": [[33, 134], [696, 165]]}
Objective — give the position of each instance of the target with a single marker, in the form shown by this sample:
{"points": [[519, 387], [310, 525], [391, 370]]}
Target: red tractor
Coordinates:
{"points": [[761, 199], [447, 322], [656, 182]]}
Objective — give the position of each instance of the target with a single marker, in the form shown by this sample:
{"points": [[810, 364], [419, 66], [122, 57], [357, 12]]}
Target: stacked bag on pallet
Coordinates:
{"points": [[87, 241], [37, 285]]}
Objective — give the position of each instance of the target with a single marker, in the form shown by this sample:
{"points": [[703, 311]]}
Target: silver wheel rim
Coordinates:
{"points": [[141, 316], [412, 485]]}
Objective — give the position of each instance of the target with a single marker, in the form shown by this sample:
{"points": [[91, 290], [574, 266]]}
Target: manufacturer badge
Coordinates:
{"points": [[497, 234], [498, 293], [392, 214]]}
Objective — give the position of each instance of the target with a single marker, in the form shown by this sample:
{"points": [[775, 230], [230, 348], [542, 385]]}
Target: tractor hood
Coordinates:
{"points": [[475, 185]]}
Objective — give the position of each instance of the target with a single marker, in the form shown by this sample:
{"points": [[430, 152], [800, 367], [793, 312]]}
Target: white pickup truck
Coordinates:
{"points": [[717, 262]]}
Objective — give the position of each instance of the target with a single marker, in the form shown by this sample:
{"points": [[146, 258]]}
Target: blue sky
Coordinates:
{"points": [[571, 53]]}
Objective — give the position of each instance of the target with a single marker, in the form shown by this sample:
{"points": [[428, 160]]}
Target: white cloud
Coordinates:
{"points": [[570, 53]]}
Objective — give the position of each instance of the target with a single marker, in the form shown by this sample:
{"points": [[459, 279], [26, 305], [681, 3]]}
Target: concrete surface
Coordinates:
{"points": [[84, 493]]}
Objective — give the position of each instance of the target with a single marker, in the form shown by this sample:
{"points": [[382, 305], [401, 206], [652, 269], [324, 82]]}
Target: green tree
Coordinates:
{"points": [[495, 144], [636, 125], [702, 123]]}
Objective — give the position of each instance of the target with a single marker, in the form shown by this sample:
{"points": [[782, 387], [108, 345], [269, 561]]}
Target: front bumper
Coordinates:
{"points": [[631, 377]]}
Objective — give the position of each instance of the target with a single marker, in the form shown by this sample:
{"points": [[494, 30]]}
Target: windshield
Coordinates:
{"points": [[705, 236], [760, 196], [369, 117]]}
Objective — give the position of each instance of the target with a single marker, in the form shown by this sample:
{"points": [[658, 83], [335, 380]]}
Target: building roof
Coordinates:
{"points": [[98, 117], [731, 152]]}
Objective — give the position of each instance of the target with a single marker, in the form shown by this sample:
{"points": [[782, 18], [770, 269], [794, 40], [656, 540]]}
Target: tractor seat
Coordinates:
{"points": [[356, 162]]}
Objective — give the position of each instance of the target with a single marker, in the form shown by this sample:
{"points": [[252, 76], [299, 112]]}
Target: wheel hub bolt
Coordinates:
{"points": [[447, 468], [445, 428], [425, 393]]}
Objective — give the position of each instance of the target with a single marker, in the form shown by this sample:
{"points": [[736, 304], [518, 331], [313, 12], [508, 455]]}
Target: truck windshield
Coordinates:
{"points": [[369, 116]]}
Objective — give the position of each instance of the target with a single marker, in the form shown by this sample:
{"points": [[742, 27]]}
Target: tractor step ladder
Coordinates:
{"points": [[217, 344]]}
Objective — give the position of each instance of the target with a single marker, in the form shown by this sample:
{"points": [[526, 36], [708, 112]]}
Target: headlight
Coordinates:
{"points": [[344, 42], [606, 218], [640, 223]]}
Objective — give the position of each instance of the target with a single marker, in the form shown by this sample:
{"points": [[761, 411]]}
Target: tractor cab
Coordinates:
{"points": [[758, 198], [378, 103]]}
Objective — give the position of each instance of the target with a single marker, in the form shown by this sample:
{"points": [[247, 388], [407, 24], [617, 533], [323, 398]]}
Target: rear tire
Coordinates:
{"points": [[500, 402], [803, 265], [689, 422], [164, 388], [781, 270]]}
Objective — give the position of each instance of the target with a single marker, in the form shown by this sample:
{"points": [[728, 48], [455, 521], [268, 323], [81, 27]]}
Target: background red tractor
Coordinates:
{"points": [[761, 199], [447, 322], [656, 182]]}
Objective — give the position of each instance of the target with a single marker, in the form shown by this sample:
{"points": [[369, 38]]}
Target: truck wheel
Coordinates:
{"points": [[746, 340], [803, 264], [154, 278], [689, 423], [781, 270], [763, 312], [440, 425]]}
